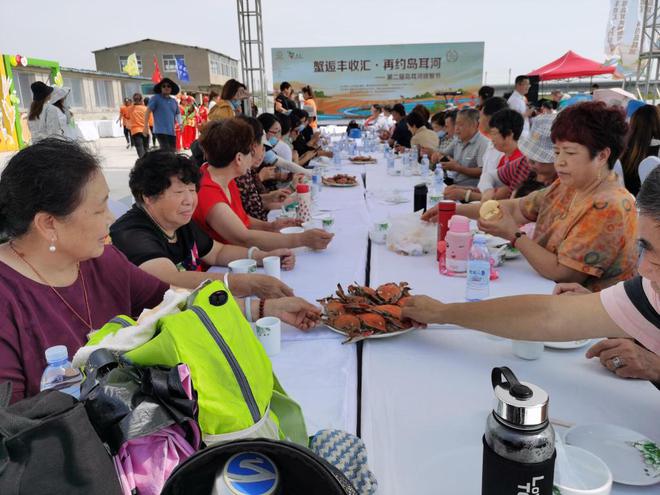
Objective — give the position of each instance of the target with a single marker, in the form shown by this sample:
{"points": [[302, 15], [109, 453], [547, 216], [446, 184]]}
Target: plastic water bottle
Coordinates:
{"points": [[426, 164], [352, 147], [316, 183], [389, 156], [439, 181], [478, 270], [60, 374], [336, 154]]}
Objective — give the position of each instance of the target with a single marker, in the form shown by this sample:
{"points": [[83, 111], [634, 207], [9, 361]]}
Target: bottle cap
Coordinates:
{"points": [[459, 223], [56, 353], [302, 188], [518, 403], [446, 205]]}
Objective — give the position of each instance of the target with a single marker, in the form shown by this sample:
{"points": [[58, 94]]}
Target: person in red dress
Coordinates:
{"points": [[189, 122]]}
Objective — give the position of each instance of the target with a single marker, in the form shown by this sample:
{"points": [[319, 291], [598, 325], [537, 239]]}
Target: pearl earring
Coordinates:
{"points": [[52, 247]]}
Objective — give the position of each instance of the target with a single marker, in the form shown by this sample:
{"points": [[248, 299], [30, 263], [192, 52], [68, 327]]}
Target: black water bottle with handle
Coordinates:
{"points": [[519, 443]]}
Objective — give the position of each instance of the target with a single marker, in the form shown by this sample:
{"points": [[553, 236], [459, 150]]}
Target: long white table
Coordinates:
{"points": [[314, 367], [426, 394]]}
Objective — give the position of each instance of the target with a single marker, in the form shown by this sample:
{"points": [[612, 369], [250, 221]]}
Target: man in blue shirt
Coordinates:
{"points": [[166, 113]]}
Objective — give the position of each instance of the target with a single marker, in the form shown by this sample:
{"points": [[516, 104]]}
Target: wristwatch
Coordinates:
{"points": [[517, 236]]}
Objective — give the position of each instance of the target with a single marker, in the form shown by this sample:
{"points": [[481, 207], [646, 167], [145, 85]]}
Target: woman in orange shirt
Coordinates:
{"points": [[136, 124], [124, 115]]}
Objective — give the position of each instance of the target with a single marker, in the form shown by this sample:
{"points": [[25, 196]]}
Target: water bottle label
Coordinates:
{"points": [[478, 274]]}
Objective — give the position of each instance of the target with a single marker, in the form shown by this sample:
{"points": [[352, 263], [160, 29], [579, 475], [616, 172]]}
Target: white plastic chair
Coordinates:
{"points": [[646, 166]]}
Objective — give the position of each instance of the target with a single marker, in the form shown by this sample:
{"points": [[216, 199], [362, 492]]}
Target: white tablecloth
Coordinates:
{"points": [[321, 374], [426, 396]]}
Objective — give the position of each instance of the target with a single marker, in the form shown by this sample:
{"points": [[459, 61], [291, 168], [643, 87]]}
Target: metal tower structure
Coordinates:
{"points": [[648, 65], [251, 39]]}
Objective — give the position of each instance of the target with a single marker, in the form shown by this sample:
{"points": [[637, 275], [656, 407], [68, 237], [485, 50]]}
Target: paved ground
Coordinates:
{"points": [[116, 160]]}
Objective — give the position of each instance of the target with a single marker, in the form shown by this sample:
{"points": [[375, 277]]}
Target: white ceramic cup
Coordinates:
{"points": [[588, 475], [527, 350], [243, 266], [269, 333], [272, 266]]}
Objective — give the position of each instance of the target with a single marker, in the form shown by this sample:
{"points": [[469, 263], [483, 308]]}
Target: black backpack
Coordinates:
{"points": [[301, 471], [49, 447]]}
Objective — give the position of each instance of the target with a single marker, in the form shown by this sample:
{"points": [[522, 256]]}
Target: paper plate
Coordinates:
{"points": [[632, 458], [572, 344]]}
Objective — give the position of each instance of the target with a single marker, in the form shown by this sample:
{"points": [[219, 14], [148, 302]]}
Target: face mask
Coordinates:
{"points": [[441, 134], [300, 128], [287, 139], [236, 104], [270, 157], [272, 141]]}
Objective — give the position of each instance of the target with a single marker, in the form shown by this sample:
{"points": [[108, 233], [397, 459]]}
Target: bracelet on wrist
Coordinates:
{"points": [[226, 280], [516, 237]]}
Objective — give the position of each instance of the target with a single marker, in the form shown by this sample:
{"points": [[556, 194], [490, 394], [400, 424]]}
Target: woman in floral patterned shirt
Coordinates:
{"points": [[585, 221]]}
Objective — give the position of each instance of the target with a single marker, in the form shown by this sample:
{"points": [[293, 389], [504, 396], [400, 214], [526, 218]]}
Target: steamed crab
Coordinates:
{"points": [[362, 311]]}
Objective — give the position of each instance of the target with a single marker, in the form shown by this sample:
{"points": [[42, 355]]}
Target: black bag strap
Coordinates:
{"points": [[635, 292]]}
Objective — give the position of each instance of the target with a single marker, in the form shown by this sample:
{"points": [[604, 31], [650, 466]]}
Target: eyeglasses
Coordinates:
{"points": [[275, 132]]}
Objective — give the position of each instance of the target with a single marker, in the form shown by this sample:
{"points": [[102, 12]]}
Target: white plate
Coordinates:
{"points": [[511, 253], [614, 445], [382, 335], [573, 344], [494, 241]]}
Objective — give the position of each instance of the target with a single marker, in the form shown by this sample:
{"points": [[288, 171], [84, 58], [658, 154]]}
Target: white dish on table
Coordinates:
{"points": [[632, 458], [572, 344]]}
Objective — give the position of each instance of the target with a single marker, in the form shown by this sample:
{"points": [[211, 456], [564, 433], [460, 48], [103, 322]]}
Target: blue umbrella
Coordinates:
{"points": [[573, 100], [633, 105]]}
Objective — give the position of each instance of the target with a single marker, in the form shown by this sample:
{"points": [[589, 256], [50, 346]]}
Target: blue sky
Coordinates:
{"points": [[520, 35]]}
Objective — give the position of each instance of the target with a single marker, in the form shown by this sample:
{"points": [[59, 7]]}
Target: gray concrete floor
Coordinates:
{"points": [[116, 161]]}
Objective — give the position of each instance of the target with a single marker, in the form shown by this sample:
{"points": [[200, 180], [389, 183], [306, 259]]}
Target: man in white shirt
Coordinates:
{"points": [[518, 102], [491, 157]]}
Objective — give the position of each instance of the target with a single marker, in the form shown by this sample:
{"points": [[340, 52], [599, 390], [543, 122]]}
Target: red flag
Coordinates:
{"points": [[156, 77]]}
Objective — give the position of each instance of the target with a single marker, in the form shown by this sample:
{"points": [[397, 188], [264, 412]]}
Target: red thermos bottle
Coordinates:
{"points": [[446, 210]]}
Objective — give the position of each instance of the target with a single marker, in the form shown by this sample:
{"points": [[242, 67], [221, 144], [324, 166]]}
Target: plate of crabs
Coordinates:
{"points": [[361, 312], [363, 159], [340, 180]]}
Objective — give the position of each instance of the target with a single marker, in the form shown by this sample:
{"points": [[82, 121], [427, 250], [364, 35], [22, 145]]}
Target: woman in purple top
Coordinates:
{"points": [[58, 278]]}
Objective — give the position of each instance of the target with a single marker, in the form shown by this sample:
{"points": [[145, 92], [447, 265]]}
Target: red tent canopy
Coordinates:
{"points": [[571, 65]]}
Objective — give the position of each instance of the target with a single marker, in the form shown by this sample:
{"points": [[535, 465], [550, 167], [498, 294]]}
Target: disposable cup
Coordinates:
{"points": [[527, 350], [269, 333], [272, 266]]}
